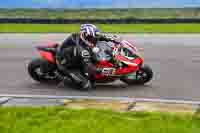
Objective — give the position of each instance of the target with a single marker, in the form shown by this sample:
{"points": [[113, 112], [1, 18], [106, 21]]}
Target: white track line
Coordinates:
{"points": [[103, 98]]}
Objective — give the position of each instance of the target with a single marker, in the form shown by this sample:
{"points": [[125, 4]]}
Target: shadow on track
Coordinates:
{"points": [[104, 87]]}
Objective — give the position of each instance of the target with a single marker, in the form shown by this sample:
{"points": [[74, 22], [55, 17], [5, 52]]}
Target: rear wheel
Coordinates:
{"points": [[142, 76], [41, 70]]}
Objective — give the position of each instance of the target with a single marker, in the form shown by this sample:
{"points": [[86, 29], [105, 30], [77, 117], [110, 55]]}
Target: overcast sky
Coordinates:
{"points": [[97, 3]]}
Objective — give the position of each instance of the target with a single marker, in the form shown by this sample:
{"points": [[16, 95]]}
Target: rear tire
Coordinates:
{"points": [[35, 69], [144, 75]]}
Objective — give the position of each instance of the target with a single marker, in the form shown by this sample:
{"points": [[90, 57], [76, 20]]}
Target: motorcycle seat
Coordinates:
{"points": [[48, 49]]}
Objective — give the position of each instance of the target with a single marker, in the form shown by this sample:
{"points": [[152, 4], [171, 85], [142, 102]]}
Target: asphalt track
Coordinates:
{"points": [[175, 60]]}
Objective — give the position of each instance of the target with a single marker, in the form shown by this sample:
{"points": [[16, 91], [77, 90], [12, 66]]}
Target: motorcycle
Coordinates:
{"points": [[123, 61]]}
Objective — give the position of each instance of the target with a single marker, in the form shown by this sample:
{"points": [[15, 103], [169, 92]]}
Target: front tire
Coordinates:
{"points": [[143, 75]]}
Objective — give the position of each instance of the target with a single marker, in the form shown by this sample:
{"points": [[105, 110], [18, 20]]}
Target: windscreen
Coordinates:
{"points": [[128, 50], [105, 50]]}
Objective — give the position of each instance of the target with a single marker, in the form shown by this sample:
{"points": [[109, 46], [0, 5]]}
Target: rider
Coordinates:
{"points": [[75, 55]]}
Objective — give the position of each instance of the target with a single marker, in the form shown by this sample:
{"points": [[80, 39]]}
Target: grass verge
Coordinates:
{"points": [[113, 28], [101, 13], [60, 119]]}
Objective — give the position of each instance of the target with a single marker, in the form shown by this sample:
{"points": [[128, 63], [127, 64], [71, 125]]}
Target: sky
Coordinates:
{"points": [[98, 3]]}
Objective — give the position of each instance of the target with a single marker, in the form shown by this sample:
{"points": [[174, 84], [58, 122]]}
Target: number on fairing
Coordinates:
{"points": [[107, 71]]}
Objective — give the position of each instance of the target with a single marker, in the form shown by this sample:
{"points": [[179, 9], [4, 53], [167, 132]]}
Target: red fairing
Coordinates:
{"points": [[126, 70], [121, 58], [138, 61], [48, 56], [133, 65], [100, 76], [102, 64]]}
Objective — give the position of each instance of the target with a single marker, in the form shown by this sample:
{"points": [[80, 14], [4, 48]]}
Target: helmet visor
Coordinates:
{"points": [[91, 39]]}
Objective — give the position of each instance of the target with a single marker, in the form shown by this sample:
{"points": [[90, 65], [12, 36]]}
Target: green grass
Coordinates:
{"points": [[61, 120], [114, 28], [102, 13]]}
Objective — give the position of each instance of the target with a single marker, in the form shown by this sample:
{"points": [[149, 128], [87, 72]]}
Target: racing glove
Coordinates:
{"points": [[108, 37]]}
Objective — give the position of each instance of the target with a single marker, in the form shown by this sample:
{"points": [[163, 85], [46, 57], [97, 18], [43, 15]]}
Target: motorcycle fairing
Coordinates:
{"points": [[132, 65], [48, 56]]}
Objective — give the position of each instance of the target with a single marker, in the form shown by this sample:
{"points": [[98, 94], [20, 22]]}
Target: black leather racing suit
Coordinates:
{"points": [[76, 60]]}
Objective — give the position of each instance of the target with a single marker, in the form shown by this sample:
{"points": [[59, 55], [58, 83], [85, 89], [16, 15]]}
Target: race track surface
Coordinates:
{"points": [[175, 60]]}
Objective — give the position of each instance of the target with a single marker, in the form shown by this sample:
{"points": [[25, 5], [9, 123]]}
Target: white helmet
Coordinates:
{"points": [[88, 33]]}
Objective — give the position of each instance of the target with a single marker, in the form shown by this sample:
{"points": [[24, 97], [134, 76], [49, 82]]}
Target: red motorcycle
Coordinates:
{"points": [[121, 61]]}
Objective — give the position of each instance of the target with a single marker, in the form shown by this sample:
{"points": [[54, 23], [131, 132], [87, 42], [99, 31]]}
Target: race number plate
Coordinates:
{"points": [[108, 71]]}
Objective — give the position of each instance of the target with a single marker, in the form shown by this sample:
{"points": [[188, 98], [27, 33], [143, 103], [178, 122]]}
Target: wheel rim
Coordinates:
{"points": [[141, 75], [41, 74], [38, 71]]}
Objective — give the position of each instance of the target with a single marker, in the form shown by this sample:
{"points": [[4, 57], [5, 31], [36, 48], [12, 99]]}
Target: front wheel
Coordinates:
{"points": [[142, 76]]}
